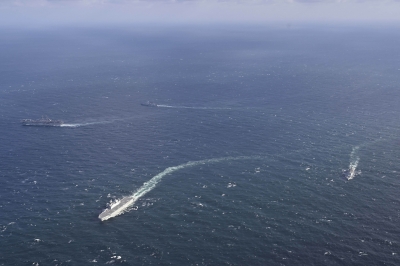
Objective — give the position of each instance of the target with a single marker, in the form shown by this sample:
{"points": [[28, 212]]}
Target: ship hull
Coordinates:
{"points": [[117, 209], [348, 174], [42, 125]]}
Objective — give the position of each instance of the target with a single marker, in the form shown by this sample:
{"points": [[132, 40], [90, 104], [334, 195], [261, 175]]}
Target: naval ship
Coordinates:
{"points": [[349, 174], [117, 208], [43, 122], [149, 104]]}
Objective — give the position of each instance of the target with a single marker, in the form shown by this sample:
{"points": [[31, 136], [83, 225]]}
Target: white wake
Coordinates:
{"points": [[116, 209], [85, 124], [189, 107]]}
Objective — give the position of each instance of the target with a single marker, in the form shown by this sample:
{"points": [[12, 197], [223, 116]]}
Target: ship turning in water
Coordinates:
{"points": [[43, 122], [117, 208]]}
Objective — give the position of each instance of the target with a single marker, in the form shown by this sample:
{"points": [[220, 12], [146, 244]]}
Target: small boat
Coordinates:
{"points": [[349, 173], [117, 208]]}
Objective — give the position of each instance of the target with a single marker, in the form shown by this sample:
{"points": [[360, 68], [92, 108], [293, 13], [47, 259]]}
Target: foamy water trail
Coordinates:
{"points": [[122, 205], [85, 124], [198, 108]]}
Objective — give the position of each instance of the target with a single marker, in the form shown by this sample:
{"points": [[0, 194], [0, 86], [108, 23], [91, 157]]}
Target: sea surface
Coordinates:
{"points": [[243, 162]]}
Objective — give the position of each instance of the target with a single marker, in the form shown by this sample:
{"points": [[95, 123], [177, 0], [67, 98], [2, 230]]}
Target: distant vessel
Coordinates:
{"points": [[349, 174], [149, 104], [117, 208], [43, 122]]}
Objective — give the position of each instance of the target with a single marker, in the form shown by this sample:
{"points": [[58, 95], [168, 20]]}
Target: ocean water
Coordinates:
{"points": [[242, 162]]}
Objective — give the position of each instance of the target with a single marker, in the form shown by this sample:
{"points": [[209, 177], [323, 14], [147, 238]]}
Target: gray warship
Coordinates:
{"points": [[149, 104], [349, 173], [117, 208], [43, 122]]}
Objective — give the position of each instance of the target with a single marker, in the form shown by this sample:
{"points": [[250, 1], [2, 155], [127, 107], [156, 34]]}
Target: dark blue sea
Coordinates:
{"points": [[245, 160]]}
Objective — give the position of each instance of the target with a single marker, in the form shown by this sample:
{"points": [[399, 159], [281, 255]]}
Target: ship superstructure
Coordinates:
{"points": [[117, 208]]}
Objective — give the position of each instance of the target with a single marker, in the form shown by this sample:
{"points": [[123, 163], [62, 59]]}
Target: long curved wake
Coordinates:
{"points": [[120, 206]]}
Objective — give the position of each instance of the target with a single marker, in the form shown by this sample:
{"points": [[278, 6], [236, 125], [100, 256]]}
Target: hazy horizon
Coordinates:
{"points": [[42, 13]]}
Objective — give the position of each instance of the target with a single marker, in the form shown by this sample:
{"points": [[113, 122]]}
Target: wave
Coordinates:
{"points": [[122, 205]]}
